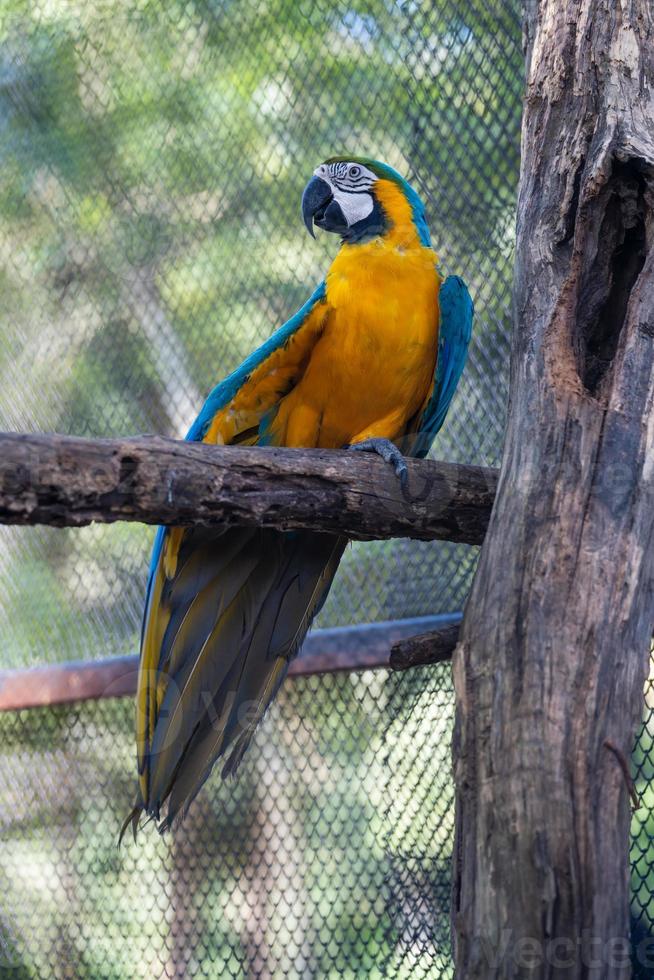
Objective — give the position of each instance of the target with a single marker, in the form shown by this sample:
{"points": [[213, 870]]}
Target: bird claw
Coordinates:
{"points": [[388, 452]]}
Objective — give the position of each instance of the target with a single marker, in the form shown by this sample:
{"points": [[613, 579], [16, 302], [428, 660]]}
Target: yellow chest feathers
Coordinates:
{"points": [[386, 290], [374, 364]]}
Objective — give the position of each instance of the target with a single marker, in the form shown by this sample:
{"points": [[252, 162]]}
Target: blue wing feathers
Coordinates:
{"points": [[225, 391], [457, 312]]}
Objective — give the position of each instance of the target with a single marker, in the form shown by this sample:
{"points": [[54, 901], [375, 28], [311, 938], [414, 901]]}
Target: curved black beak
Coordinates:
{"points": [[315, 199]]}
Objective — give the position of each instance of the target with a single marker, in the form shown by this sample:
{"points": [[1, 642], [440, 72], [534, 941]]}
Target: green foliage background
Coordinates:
{"points": [[152, 158]]}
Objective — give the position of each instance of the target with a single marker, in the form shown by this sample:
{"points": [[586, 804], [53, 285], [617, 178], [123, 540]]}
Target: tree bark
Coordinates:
{"points": [[67, 481], [434, 647], [554, 645]]}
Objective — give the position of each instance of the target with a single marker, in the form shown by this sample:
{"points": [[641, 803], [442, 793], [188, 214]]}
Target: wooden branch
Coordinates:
{"points": [[553, 652], [64, 481], [366, 646], [434, 647]]}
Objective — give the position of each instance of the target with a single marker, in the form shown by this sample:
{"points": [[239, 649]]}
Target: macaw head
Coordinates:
{"points": [[359, 199]]}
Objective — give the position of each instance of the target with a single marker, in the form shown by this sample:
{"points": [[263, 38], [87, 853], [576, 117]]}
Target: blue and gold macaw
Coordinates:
{"points": [[370, 362]]}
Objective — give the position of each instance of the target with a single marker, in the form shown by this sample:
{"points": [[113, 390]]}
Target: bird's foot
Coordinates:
{"points": [[388, 452]]}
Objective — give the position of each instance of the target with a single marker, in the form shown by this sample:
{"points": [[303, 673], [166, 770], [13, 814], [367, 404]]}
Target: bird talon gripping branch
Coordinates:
{"points": [[388, 452], [377, 349]]}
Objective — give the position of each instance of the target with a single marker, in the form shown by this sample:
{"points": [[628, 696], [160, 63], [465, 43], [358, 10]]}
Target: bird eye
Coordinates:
{"points": [[354, 171]]}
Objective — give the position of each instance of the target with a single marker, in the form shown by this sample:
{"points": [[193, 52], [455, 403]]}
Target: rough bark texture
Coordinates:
{"points": [[425, 648], [554, 645], [61, 480]]}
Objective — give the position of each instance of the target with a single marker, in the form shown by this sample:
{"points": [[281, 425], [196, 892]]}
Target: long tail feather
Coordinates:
{"points": [[236, 610]]}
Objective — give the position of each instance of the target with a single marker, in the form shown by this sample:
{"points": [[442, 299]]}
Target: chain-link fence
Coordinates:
{"points": [[327, 857], [151, 166], [152, 159]]}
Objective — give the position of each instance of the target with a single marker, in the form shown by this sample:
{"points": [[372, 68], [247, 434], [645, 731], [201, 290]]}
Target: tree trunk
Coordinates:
{"points": [[554, 647]]}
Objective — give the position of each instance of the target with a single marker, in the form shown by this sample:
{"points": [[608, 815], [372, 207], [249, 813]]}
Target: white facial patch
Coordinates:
{"points": [[351, 185], [355, 207]]}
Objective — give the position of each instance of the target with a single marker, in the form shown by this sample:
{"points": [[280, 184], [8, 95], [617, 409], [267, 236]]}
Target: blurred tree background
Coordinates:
{"points": [[152, 161], [152, 158]]}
